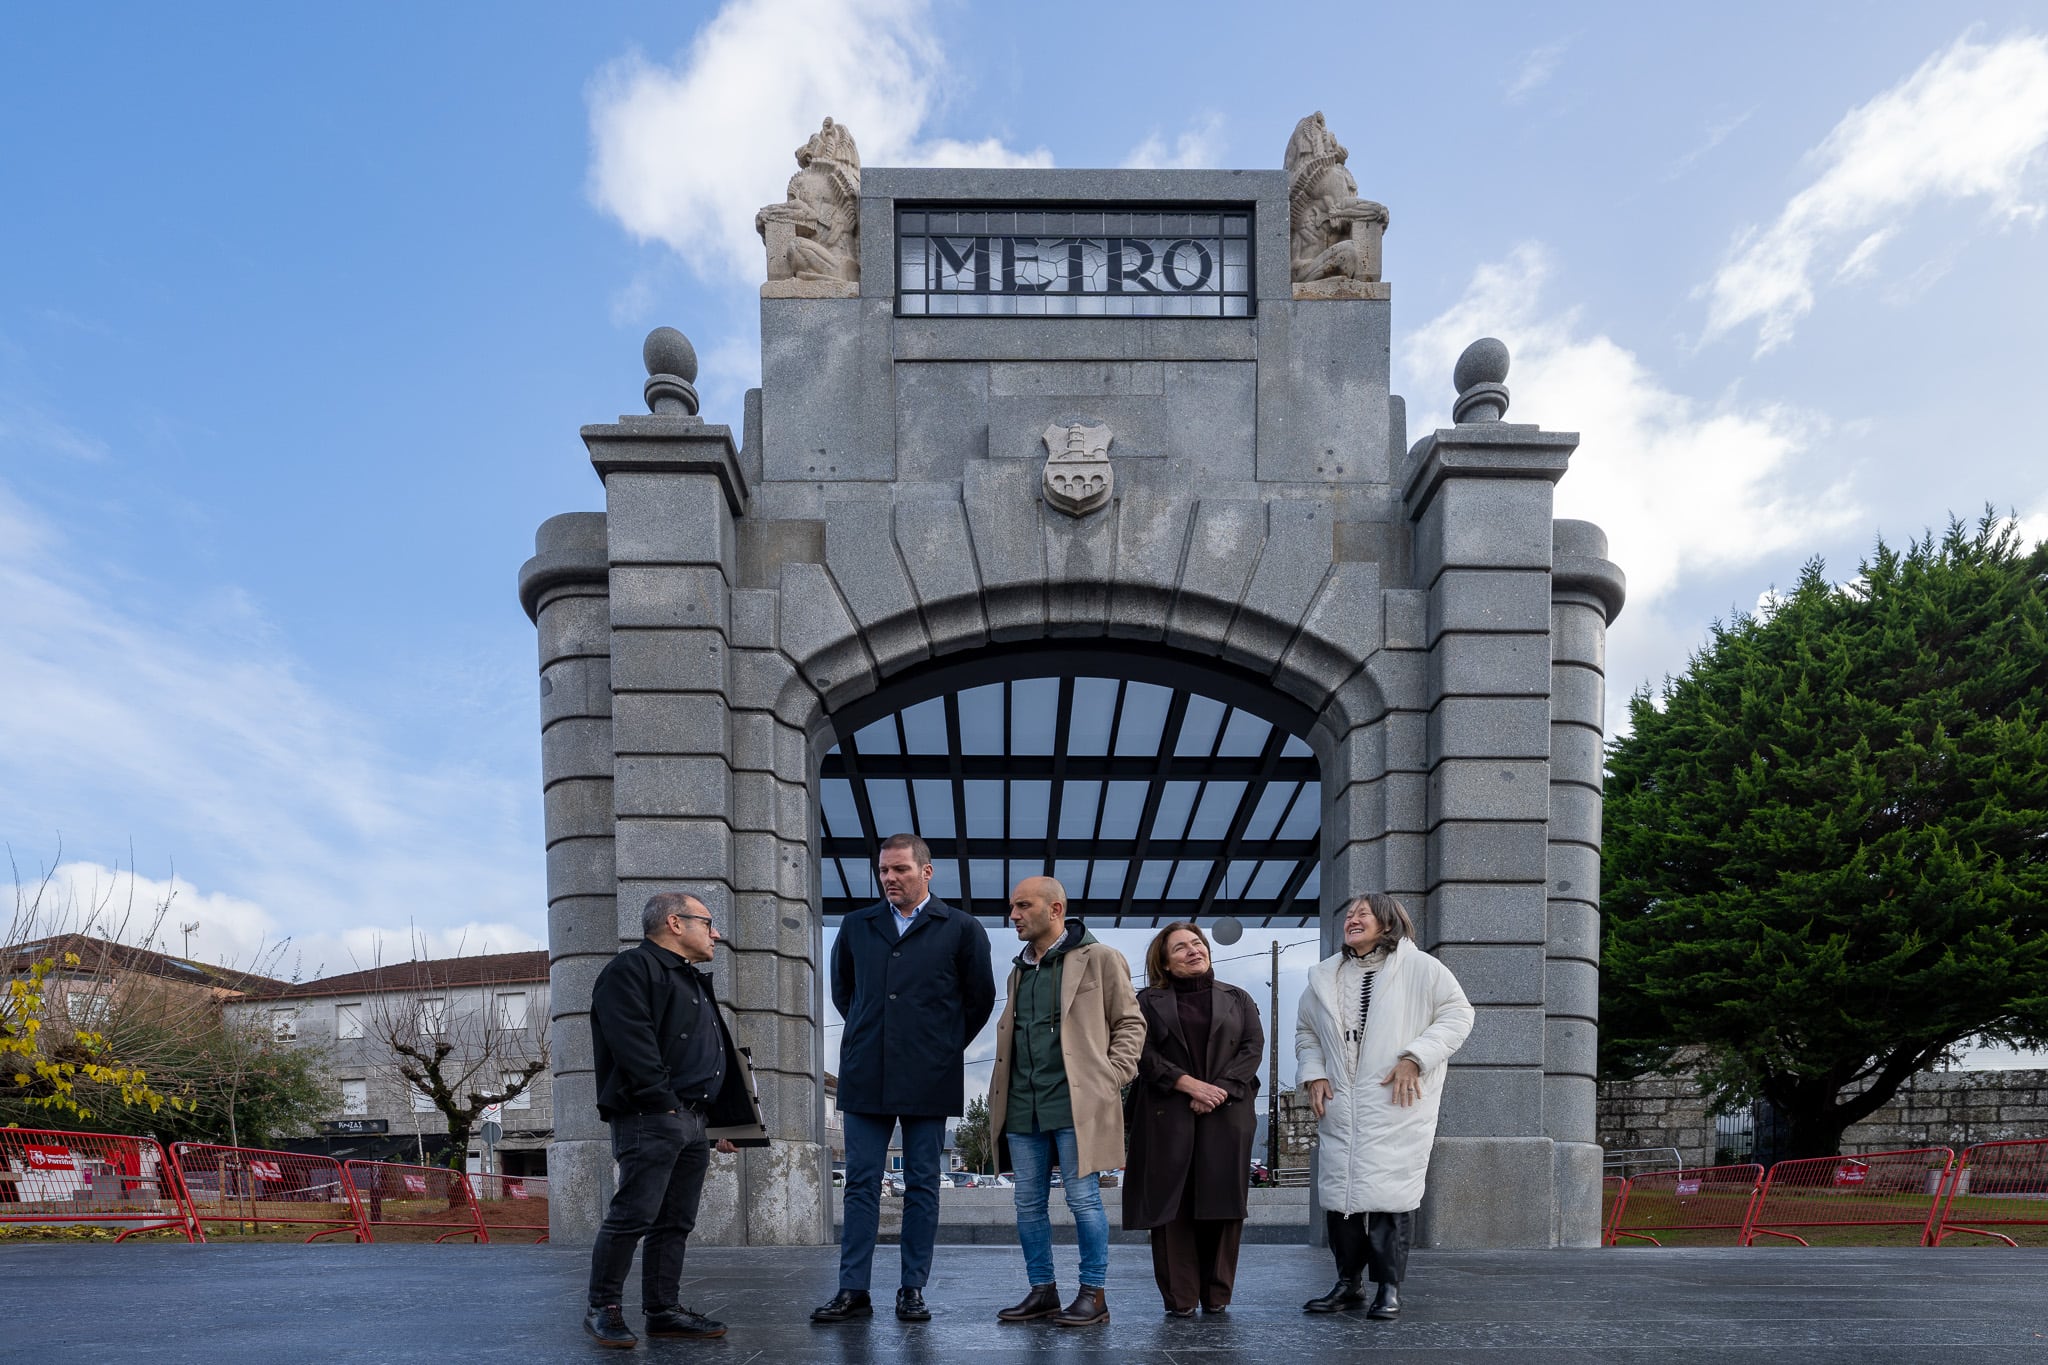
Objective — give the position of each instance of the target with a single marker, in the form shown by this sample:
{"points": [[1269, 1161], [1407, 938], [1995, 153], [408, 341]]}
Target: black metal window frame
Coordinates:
{"points": [[1267, 784], [1233, 222]]}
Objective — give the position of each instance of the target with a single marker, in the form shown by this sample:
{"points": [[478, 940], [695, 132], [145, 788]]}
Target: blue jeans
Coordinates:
{"points": [[867, 1147], [1034, 1155]]}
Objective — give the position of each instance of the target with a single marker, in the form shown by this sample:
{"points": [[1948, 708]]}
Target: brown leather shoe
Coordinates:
{"points": [[1042, 1302], [1089, 1309]]}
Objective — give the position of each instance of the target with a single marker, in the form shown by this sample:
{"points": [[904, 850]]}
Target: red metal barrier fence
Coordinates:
{"points": [[249, 1190], [1898, 1190], [1613, 1189], [512, 1204], [53, 1177], [1701, 1206], [398, 1203], [1998, 1185]]}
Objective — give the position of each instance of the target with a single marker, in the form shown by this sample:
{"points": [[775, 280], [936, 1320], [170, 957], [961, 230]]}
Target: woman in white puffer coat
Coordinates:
{"points": [[1373, 1033]]}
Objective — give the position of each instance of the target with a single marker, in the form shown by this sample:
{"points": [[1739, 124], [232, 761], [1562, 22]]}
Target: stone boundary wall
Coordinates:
{"points": [[1933, 1109]]}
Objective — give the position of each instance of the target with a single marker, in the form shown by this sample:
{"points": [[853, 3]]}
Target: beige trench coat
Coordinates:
{"points": [[1102, 1031]]}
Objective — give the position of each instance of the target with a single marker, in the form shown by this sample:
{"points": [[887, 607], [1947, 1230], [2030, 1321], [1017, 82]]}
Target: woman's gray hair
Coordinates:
{"points": [[654, 915], [1395, 923]]}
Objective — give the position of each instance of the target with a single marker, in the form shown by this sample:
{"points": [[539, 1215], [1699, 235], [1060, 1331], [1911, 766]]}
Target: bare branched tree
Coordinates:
{"points": [[447, 1030]]}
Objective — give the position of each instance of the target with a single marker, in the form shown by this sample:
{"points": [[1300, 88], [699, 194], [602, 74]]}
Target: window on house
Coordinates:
{"points": [[355, 1099], [522, 1100], [422, 1102], [433, 1015], [86, 1009], [348, 1020], [284, 1024], [512, 1009]]}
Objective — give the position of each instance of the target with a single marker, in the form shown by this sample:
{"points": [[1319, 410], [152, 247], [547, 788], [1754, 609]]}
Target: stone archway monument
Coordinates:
{"points": [[1149, 409]]}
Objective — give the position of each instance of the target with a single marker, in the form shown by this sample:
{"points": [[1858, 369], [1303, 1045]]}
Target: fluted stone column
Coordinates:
{"points": [[565, 590], [1586, 593], [1479, 497]]}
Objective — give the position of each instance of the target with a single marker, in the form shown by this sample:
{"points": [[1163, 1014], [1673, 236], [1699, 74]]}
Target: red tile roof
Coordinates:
{"points": [[104, 955], [477, 969]]}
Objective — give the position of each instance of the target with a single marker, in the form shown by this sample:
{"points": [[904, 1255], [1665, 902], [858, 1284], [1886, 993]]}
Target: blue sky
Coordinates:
{"points": [[300, 313]]}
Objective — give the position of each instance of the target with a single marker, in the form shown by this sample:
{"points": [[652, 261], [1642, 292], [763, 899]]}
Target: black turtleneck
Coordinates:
{"points": [[1197, 1010]]}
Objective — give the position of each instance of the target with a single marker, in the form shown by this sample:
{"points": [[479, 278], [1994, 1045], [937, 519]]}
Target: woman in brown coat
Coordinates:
{"points": [[1191, 1121]]}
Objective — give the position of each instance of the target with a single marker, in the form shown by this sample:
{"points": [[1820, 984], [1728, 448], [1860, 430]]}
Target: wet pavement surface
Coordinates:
{"points": [[223, 1305]]}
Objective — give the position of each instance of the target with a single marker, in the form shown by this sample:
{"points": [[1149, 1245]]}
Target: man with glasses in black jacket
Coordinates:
{"points": [[666, 1073]]}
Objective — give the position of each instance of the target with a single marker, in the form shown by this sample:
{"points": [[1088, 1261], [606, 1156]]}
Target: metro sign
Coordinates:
{"points": [[1023, 261]]}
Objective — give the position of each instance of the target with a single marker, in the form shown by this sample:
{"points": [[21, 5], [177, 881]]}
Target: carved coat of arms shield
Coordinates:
{"points": [[1078, 478]]}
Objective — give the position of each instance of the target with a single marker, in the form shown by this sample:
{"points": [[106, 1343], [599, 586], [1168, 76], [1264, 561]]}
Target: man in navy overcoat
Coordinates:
{"points": [[911, 978]]}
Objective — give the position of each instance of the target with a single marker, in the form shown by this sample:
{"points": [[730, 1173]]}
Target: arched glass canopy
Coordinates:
{"points": [[1149, 800]]}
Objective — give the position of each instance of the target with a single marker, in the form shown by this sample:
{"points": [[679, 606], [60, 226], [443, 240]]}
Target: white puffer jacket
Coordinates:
{"points": [[1373, 1154]]}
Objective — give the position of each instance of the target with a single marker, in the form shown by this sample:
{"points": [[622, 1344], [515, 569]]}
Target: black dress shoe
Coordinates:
{"points": [[846, 1305], [910, 1305], [1347, 1293], [1386, 1303], [1180, 1312], [1042, 1302], [681, 1322], [607, 1326]]}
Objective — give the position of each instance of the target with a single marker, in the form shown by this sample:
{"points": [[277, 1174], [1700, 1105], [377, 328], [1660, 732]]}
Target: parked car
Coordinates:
{"points": [[959, 1180], [995, 1182], [892, 1184], [1260, 1175]]}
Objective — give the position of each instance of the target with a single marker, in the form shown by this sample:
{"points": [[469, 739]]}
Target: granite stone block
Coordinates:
{"points": [[1151, 541], [812, 377], [941, 419], [1484, 524], [860, 550], [752, 622], [793, 760], [1296, 558], [669, 595], [1572, 988], [575, 748], [1577, 755], [1570, 1105], [1336, 367], [1574, 814], [1504, 1035], [1489, 789], [668, 661], [1212, 422], [1478, 912], [584, 923], [1080, 565], [753, 741], [1339, 631], [753, 802], [1407, 618], [761, 678], [671, 723], [1574, 872], [1493, 1102], [1490, 665], [754, 859], [1462, 1204], [1579, 1167], [576, 627], [1574, 930], [1499, 851], [669, 519], [1223, 547], [1004, 513], [578, 810], [820, 635], [576, 687], [580, 867], [1076, 379], [1361, 756], [1578, 697], [1489, 600], [1407, 802], [683, 850], [1401, 678], [1490, 727], [1407, 862], [939, 554], [1578, 635], [649, 784], [1496, 974], [1571, 1045]]}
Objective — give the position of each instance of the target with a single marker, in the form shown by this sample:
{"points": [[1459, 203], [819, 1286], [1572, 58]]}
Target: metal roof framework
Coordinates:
{"points": [[1148, 798]]}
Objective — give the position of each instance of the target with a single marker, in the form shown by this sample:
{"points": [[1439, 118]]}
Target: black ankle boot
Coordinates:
{"points": [[1347, 1293], [1386, 1304]]}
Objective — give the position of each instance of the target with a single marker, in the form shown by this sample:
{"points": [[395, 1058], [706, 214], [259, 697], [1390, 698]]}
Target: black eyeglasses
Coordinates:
{"points": [[704, 920]]}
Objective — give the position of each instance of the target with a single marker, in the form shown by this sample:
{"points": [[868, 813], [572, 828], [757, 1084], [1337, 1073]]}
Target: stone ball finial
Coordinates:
{"points": [[1479, 376], [671, 372]]}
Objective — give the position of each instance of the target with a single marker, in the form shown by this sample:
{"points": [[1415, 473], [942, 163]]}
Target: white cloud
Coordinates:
{"points": [[1679, 485], [1199, 147], [26, 426], [685, 154], [194, 729], [1969, 124], [2033, 526], [1537, 69]]}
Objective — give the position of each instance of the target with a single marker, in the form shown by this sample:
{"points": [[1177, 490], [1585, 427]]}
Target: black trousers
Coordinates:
{"points": [[662, 1159], [1371, 1244]]}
